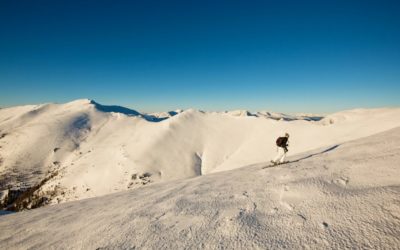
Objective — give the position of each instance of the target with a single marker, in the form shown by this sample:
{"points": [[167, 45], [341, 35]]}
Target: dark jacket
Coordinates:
{"points": [[282, 142]]}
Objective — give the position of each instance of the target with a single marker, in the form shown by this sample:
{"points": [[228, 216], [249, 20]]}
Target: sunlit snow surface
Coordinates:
{"points": [[93, 149], [346, 196]]}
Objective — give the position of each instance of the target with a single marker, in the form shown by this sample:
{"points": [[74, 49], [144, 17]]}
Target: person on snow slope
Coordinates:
{"points": [[282, 143]]}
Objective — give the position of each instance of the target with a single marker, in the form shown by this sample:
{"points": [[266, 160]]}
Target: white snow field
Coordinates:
{"points": [[344, 196], [82, 149]]}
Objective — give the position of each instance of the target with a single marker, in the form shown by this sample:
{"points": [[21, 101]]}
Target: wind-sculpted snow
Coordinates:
{"points": [[84, 149], [345, 196]]}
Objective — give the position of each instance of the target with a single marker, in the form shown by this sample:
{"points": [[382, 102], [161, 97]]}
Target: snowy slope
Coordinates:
{"points": [[337, 197], [84, 149]]}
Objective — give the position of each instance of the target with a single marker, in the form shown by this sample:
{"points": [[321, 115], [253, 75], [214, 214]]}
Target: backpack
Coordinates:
{"points": [[281, 142]]}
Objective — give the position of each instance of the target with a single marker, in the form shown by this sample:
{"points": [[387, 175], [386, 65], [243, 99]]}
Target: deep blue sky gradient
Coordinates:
{"points": [[288, 56]]}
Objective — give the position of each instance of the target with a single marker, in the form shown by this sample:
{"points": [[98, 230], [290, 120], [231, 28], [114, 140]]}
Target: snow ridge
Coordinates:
{"points": [[344, 197], [97, 149]]}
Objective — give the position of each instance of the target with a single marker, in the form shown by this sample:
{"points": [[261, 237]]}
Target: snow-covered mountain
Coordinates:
{"points": [[345, 196], [53, 153]]}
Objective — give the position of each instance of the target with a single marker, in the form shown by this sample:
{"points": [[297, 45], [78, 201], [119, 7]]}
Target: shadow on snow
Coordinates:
{"points": [[129, 112], [319, 153], [306, 157]]}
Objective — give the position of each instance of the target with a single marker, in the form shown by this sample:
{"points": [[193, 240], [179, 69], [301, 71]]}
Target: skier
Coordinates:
{"points": [[282, 143]]}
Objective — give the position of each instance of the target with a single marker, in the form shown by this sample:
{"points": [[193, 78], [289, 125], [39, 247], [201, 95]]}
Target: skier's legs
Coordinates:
{"points": [[280, 154], [282, 159]]}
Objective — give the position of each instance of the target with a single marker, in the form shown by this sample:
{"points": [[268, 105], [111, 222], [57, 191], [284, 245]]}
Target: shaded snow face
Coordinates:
{"points": [[84, 149]]}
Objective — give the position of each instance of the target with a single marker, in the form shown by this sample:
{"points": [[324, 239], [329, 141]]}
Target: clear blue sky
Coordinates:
{"points": [[288, 56]]}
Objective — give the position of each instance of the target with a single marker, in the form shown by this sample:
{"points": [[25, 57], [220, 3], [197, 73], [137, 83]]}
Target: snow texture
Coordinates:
{"points": [[341, 196], [83, 149]]}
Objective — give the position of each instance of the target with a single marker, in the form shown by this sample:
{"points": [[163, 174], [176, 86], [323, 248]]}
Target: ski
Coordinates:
{"points": [[275, 164]]}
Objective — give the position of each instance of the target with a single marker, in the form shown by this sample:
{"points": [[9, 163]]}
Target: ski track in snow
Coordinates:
{"points": [[347, 197]]}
